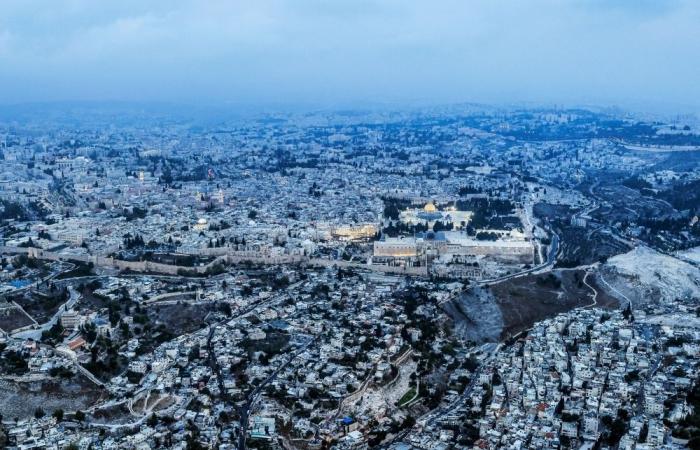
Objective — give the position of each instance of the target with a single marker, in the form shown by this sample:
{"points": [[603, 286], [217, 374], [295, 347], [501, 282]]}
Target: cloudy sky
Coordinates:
{"points": [[342, 52]]}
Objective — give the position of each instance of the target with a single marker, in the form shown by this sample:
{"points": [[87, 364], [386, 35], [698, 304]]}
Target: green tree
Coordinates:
{"points": [[58, 414]]}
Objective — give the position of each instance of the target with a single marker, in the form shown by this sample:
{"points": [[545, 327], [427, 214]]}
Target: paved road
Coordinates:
{"points": [[36, 332], [254, 396], [72, 357], [551, 259], [602, 278], [433, 416]]}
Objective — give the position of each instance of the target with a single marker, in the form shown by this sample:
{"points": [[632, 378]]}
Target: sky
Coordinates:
{"points": [[352, 52]]}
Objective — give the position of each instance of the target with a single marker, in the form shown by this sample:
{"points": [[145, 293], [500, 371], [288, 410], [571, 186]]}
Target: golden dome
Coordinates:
{"points": [[429, 207]]}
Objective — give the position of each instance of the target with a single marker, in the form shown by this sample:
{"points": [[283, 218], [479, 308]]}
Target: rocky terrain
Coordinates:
{"points": [[21, 400], [475, 315], [645, 275]]}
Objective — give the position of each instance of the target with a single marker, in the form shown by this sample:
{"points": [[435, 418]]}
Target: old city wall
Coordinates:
{"points": [[231, 257]]}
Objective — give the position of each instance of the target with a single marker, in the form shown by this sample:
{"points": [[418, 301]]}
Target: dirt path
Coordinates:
{"points": [[612, 288], [595, 291]]}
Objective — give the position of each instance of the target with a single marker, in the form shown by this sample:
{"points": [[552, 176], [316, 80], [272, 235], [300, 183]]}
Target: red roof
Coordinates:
{"points": [[76, 343]]}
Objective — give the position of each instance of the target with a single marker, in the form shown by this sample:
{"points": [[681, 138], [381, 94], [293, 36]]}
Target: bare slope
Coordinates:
{"points": [[504, 309], [645, 275], [475, 315]]}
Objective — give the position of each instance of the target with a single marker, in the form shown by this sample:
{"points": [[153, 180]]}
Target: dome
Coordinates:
{"points": [[429, 207]]}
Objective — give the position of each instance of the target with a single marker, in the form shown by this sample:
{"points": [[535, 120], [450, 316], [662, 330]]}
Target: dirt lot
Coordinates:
{"points": [[526, 300], [492, 313], [12, 318], [165, 322], [41, 305], [181, 318], [22, 399], [112, 415]]}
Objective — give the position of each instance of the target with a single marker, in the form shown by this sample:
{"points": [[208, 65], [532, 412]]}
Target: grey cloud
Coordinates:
{"points": [[334, 52]]}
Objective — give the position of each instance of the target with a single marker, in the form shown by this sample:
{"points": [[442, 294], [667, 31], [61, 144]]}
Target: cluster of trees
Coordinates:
{"points": [[166, 176], [315, 190], [589, 125], [216, 243], [487, 236], [442, 226], [549, 280], [503, 222], [689, 427], [28, 243], [197, 173], [20, 261], [487, 206], [391, 211], [393, 207], [81, 270], [12, 362], [466, 190], [89, 331], [399, 228], [134, 213], [685, 196], [104, 358], [133, 242], [174, 259], [53, 334], [280, 282], [637, 183], [669, 224], [12, 211], [489, 213], [615, 427], [223, 225], [61, 371]]}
